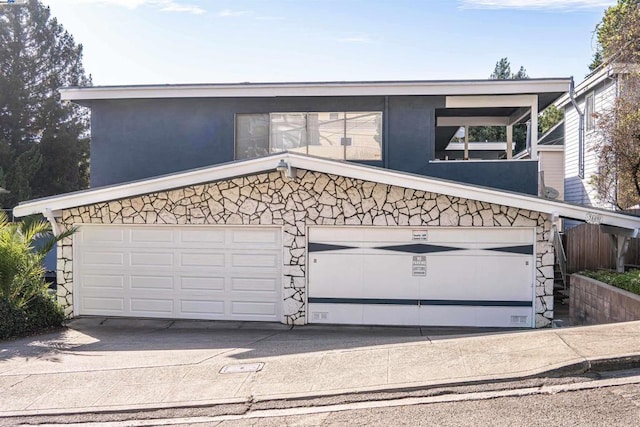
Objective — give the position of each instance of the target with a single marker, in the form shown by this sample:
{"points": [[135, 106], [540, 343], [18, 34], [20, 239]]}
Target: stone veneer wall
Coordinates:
{"points": [[313, 198]]}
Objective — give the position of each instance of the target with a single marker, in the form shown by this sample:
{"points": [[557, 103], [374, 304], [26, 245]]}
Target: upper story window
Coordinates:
{"points": [[333, 135], [589, 109]]}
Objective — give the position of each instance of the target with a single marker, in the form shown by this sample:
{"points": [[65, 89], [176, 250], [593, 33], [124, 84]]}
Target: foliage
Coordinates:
{"points": [[551, 116], [43, 142], [502, 71], [618, 34], [546, 121], [618, 149], [21, 262], [13, 320], [597, 60], [41, 313], [629, 281]]}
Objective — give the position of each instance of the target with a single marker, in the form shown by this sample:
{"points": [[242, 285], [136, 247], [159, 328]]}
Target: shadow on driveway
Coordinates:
{"points": [[242, 340]]}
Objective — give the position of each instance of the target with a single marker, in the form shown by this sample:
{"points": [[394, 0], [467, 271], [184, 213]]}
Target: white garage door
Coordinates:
{"points": [[185, 272], [431, 276]]}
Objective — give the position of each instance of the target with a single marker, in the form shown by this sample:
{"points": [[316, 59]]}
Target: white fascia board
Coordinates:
{"points": [[584, 86], [459, 87], [350, 170], [473, 121], [152, 185], [550, 147], [465, 191], [489, 101]]}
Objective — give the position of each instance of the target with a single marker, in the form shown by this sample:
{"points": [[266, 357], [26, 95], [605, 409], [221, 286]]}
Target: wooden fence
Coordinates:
{"points": [[588, 248]]}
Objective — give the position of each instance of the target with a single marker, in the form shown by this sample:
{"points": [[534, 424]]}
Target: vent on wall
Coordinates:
{"points": [[519, 320], [319, 315]]}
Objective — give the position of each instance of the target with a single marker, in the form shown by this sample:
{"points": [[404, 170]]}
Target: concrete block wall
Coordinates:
{"points": [[592, 302]]}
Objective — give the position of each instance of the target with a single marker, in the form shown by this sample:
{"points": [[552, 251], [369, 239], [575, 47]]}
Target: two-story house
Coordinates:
{"points": [[595, 94], [311, 203]]}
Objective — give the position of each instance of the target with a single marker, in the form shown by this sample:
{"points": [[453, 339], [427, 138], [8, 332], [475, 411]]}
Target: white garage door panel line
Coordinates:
{"points": [[180, 272]]}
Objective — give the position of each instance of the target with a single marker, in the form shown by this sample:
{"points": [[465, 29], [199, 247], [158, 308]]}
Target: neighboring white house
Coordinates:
{"points": [[595, 94], [550, 154]]}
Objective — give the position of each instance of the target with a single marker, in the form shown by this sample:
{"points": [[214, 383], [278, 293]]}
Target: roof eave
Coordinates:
{"points": [[445, 87], [351, 170]]}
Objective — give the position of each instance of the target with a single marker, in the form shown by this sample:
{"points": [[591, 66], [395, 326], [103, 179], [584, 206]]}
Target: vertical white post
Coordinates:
{"points": [[509, 142], [534, 129], [466, 143]]}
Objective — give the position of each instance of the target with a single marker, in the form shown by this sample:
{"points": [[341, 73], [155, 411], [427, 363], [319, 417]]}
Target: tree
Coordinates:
{"points": [[44, 143], [618, 34], [618, 147], [502, 71], [549, 118], [21, 258]]}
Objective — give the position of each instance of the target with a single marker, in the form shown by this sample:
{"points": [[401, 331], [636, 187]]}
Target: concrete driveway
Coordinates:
{"points": [[112, 364]]}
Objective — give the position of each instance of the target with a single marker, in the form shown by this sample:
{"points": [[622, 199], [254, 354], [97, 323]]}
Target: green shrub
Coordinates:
{"points": [[43, 313], [629, 281], [25, 305], [39, 314], [13, 320]]}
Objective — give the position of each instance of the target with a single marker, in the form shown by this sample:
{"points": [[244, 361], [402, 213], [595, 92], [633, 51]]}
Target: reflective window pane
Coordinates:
{"points": [[363, 136], [252, 135], [332, 135], [288, 132], [326, 131]]}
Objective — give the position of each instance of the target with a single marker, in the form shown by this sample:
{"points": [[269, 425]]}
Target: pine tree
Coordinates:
{"points": [[43, 142]]}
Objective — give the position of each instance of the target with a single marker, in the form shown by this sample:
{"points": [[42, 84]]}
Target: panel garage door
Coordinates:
{"points": [[433, 276], [185, 272]]}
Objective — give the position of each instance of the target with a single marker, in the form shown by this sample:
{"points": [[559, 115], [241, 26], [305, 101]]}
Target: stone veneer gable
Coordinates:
{"points": [[313, 198]]}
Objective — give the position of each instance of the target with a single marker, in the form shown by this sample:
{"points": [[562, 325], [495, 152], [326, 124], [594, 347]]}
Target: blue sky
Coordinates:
{"points": [[208, 41]]}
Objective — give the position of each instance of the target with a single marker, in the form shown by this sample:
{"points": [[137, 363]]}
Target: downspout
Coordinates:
{"points": [[580, 133], [48, 214]]}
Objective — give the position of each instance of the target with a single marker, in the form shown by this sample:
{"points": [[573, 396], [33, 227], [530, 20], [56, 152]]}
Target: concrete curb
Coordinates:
{"points": [[572, 368]]}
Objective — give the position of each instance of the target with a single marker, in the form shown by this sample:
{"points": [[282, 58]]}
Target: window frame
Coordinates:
{"points": [[342, 114], [589, 111]]}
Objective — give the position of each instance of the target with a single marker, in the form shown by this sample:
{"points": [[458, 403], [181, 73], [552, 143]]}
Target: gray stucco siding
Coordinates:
{"points": [[411, 121], [136, 139]]}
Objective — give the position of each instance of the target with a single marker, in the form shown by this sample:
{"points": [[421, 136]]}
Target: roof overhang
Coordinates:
{"points": [[83, 95], [595, 78], [54, 205]]}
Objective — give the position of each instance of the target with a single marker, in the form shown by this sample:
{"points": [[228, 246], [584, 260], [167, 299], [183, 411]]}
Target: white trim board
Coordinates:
{"points": [[389, 88], [366, 173]]}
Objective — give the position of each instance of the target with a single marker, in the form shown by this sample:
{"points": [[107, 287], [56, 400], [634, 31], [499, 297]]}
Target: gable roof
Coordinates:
{"points": [[230, 170], [596, 77]]}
